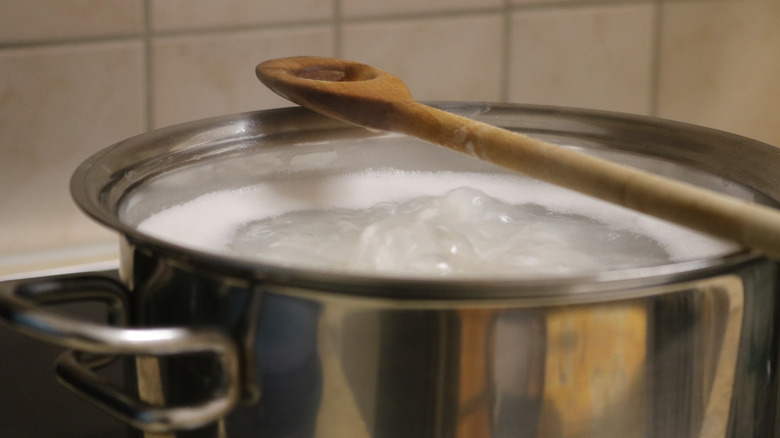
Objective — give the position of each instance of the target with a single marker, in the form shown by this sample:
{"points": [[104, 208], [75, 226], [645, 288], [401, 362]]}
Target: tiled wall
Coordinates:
{"points": [[79, 75]]}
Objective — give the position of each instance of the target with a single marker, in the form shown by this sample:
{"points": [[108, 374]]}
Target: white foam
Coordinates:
{"points": [[211, 221]]}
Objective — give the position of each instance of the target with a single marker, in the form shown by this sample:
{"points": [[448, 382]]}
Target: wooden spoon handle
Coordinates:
{"points": [[370, 97], [723, 216]]}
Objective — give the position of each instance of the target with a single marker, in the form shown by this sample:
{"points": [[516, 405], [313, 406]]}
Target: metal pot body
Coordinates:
{"points": [[222, 347], [692, 358]]}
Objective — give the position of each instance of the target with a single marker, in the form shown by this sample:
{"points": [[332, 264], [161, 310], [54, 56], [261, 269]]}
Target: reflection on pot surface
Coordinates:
{"points": [[673, 337], [662, 363]]}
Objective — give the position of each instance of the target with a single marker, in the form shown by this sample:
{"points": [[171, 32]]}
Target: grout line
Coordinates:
{"points": [[338, 49], [566, 4], [148, 32], [243, 28], [149, 65], [425, 15], [33, 44], [506, 51], [655, 65]]}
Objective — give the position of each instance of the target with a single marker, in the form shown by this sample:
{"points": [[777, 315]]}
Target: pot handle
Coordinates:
{"points": [[93, 346]]}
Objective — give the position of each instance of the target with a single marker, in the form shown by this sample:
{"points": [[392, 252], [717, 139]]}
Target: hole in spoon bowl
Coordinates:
{"points": [[323, 73], [338, 73]]}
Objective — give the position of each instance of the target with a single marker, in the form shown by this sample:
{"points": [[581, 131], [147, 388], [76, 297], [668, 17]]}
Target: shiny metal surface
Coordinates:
{"points": [[693, 359], [21, 308], [680, 350], [32, 403]]}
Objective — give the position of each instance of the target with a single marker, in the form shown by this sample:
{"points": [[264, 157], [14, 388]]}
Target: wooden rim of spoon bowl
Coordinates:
{"points": [[337, 88]]}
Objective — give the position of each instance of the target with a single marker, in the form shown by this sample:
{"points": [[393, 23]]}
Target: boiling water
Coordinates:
{"points": [[427, 224]]}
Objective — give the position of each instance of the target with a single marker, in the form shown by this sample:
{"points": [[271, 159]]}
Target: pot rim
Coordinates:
{"points": [[100, 183]]}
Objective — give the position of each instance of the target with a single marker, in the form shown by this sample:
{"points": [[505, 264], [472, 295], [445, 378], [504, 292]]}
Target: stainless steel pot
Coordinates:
{"points": [[226, 347]]}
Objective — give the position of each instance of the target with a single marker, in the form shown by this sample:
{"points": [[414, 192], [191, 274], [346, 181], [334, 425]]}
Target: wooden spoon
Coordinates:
{"points": [[366, 96]]}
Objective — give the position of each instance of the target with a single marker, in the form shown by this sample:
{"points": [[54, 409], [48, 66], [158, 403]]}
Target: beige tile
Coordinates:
{"points": [[720, 66], [200, 14], [57, 107], [456, 58], [36, 20], [359, 8], [202, 76], [589, 56]]}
